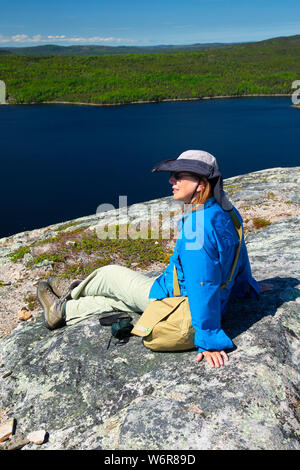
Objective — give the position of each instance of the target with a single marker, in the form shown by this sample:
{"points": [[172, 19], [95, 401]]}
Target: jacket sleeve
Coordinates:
{"points": [[203, 277]]}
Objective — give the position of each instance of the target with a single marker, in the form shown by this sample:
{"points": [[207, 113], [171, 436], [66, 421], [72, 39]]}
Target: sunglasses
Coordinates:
{"points": [[178, 175]]}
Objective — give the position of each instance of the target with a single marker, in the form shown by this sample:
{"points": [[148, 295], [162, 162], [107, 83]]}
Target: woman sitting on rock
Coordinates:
{"points": [[203, 257]]}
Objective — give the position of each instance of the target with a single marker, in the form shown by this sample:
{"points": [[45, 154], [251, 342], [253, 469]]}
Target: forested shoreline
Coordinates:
{"points": [[265, 68]]}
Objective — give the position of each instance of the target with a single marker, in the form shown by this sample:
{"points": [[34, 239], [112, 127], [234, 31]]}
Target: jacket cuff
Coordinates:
{"points": [[212, 340]]}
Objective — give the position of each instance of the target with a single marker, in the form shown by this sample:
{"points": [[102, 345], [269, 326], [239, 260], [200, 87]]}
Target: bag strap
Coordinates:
{"points": [[239, 229], [108, 318], [176, 287]]}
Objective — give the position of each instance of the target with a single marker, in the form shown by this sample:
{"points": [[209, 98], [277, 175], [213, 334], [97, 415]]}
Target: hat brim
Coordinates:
{"points": [[192, 166]]}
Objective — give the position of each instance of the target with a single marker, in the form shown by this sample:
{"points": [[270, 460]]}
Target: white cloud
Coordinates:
{"points": [[56, 37], [38, 38], [20, 38]]}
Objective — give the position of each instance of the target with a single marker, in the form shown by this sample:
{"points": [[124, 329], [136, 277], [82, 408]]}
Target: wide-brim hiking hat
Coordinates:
{"points": [[200, 163]]}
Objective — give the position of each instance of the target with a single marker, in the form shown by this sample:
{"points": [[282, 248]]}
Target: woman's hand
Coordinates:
{"points": [[214, 358]]}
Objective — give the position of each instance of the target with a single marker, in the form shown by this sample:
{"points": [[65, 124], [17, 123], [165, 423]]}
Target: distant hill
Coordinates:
{"points": [[288, 40], [54, 50], [117, 76]]}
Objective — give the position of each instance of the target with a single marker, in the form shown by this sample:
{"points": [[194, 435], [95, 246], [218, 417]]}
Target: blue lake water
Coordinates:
{"points": [[60, 162]]}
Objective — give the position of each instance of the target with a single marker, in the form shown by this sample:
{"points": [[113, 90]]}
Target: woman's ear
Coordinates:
{"points": [[202, 185]]}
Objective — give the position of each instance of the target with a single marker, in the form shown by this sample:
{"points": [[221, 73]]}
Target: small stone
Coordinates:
{"points": [[37, 437], [6, 374], [14, 443], [120, 360], [6, 430], [24, 314]]}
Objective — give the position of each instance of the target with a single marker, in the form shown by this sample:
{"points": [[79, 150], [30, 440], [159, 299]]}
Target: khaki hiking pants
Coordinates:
{"points": [[108, 288]]}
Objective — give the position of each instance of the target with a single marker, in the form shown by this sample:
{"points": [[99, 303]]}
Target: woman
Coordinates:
{"points": [[203, 256]]}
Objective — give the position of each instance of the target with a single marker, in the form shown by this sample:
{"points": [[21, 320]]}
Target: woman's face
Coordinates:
{"points": [[184, 185]]}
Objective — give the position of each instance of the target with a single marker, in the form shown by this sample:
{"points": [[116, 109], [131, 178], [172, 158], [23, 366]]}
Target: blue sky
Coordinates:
{"points": [[140, 22]]}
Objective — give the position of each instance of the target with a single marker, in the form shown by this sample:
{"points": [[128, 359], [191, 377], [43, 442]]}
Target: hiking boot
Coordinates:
{"points": [[52, 306], [62, 287]]}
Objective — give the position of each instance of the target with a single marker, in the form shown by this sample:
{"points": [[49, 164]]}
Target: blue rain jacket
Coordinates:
{"points": [[203, 256]]}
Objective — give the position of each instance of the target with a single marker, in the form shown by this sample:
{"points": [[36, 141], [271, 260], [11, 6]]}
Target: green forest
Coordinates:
{"points": [[266, 67]]}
